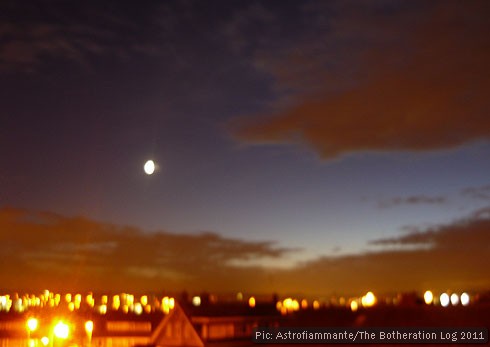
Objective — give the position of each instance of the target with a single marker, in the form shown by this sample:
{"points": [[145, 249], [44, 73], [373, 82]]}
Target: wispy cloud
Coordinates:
{"points": [[481, 193], [413, 200], [411, 80]]}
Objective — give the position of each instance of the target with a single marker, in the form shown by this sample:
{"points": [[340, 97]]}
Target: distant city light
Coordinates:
{"points": [[167, 304], [454, 299], [444, 299], [428, 297], [295, 305], [288, 305], [279, 305], [316, 305], [46, 294], [90, 300], [129, 299], [103, 309], [196, 301], [57, 299], [138, 308], [45, 340], [116, 302], [78, 300], [368, 300], [354, 306], [146, 304], [19, 305], [4, 303]]}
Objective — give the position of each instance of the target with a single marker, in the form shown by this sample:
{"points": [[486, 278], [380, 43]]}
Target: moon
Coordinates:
{"points": [[149, 167]]}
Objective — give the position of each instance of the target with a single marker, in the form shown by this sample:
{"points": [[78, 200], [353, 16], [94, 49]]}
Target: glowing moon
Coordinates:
{"points": [[149, 167]]}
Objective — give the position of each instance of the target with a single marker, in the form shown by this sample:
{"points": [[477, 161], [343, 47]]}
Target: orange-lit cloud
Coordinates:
{"points": [[447, 257], [42, 250], [426, 90], [39, 249]]}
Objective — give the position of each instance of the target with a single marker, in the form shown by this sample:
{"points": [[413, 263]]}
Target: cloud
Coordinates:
{"points": [[470, 232], [412, 79], [39, 249], [481, 193], [32, 34], [413, 200], [452, 256], [248, 22]]}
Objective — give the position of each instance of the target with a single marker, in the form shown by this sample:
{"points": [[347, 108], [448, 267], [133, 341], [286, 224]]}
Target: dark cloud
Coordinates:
{"points": [[32, 33], [482, 192], [470, 232], [38, 249], [399, 77], [248, 22], [413, 200]]}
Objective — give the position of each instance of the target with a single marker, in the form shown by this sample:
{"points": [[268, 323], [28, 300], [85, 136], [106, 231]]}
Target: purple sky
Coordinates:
{"points": [[294, 139]]}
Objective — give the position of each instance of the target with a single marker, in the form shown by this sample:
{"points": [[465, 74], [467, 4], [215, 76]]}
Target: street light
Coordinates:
{"points": [[31, 324], [89, 328], [61, 330]]}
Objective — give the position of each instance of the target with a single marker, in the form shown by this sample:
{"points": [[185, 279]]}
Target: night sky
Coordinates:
{"points": [[301, 146]]}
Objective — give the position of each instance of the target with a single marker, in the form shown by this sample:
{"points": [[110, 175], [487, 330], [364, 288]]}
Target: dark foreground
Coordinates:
{"points": [[417, 316]]}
